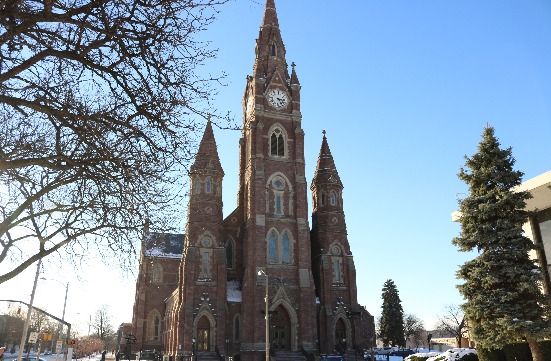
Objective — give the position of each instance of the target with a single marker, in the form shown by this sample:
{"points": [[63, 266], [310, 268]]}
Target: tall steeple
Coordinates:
{"points": [[270, 50]]}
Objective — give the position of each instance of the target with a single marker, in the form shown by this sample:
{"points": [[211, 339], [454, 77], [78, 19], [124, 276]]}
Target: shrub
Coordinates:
{"points": [[417, 358]]}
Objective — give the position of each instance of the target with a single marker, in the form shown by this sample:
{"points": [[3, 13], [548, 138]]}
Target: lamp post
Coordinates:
{"points": [[227, 344], [192, 348], [266, 315], [59, 328]]}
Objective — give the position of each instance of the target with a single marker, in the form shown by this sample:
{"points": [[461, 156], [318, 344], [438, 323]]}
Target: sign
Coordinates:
{"points": [[58, 346], [33, 337]]}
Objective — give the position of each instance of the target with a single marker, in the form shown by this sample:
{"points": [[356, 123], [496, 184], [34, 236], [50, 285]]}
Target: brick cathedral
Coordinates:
{"points": [[204, 291]]}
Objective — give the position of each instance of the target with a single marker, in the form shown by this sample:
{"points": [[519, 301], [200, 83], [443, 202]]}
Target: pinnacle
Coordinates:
{"points": [[326, 172], [207, 155]]}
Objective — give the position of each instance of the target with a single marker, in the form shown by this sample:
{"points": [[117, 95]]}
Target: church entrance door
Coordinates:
{"points": [[280, 330], [203, 334]]}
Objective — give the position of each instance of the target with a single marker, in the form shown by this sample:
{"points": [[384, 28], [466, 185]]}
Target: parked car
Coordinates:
{"points": [[385, 350], [31, 358], [332, 358], [404, 352]]}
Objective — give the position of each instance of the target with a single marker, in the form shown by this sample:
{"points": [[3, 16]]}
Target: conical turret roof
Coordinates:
{"points": [[207, 155], [326, 172]]}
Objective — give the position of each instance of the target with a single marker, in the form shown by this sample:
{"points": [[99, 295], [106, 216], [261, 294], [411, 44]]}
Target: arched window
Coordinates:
{"points": [[229, 254], [337, 270], [273, 49], [277, 143], [322, 198], [333, 198], [208, 186], [236, 330], [196, 186], [272, 247], [285, 249], [154, 326], [205, 265], [157, 273]]}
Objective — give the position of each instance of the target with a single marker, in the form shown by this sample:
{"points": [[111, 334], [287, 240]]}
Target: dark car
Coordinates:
{"points": [[404, 352], [332, 358]]}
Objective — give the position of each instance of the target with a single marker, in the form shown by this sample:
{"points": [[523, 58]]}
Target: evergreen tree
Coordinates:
{"points": [[504, 301], [391, 327]]}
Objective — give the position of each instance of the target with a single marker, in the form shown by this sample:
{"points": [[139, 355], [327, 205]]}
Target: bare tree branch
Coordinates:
{"points": [[100, 101]]}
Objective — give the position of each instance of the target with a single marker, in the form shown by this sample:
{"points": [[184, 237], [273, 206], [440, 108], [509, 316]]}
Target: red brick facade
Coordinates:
{"points": [[219, 300]]}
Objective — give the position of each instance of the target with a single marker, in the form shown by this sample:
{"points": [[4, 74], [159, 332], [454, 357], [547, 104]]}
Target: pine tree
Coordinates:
{"points": [[392, 316], [503, 300]]}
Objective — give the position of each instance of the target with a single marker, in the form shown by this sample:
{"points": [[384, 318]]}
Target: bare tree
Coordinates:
{"points": [[99, 102], [413, 329], [453, 322], [87, 345], [102, 323]]}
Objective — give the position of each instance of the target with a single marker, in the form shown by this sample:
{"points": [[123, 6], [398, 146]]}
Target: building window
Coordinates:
{"points": [[333, 198], [208, 186], [277, 145], [157, 273], [205, 266], [196, 186], [322, 198], [279, 203], [337, 270], [229, 254], [274, 49], [285, 249], [272, 247], [545, 231], [153, 326], [236, 328]]}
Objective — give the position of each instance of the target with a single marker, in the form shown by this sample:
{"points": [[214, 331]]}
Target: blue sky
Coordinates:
{"points": [[404, 90]]}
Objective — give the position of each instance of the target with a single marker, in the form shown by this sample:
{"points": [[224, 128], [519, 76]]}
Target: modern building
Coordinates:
{"points": [[538, 228], [263, 255]]}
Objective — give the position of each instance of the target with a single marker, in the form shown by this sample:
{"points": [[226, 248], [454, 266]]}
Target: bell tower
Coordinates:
{"points": [[273, 201]]}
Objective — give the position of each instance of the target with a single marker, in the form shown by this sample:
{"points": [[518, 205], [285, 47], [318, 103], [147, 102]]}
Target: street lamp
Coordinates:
{"points": [[266, 315], [227, 344], [192, 348], [59, 328]]}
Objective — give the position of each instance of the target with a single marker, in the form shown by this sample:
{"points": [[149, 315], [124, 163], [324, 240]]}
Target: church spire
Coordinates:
{"points": [[270, 50], [270, 15], [207, 155], [326, 172]]}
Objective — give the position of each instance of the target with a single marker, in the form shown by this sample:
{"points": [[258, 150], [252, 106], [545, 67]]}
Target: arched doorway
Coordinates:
{"points": [[340, 335], [280, 329], [203, 334]]}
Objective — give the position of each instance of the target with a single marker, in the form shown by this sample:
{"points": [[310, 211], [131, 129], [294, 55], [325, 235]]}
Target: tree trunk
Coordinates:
{"points": [[535, 349]]}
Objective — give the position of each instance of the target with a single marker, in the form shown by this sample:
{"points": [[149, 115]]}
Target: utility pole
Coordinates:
{"points": [[27, 321]]}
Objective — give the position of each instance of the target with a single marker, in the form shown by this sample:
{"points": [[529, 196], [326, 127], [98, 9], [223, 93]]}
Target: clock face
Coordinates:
{"points": [[277, 98]]}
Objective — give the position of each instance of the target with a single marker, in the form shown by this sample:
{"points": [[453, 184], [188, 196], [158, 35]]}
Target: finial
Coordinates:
{"points": [[323, 131], [293, 65]]}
